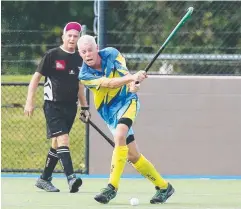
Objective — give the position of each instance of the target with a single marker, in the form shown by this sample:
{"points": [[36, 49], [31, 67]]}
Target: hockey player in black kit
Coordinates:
{"points": [[62, 90]]}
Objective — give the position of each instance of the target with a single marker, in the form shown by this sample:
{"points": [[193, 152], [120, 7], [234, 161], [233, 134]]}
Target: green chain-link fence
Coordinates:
{"points": [[208, 43], [24, 143]]}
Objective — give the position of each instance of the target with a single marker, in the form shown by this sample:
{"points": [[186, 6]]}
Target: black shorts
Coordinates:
{"points": [[59, 117]]}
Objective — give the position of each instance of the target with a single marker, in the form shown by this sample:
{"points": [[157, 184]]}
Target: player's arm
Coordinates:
{"points": [[32, 88], [97, 82], [125, 76], [84, 113], [116, 82], [81, 95], [42, 69], [91, 81], [133, 87], [121, 81]]}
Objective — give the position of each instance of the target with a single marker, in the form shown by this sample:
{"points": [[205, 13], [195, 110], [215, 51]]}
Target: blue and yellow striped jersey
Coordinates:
{"points": [[107, 101]]}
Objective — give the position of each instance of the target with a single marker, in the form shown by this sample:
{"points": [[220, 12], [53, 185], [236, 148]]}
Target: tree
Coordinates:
{"points": [[30, 28]]}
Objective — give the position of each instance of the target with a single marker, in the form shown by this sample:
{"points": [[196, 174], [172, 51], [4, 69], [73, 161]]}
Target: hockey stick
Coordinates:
{"points": [[103, 134], [179, 25]]}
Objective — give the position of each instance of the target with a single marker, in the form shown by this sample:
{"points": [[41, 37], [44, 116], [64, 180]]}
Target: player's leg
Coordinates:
{"points": [[119, 128], [163, 189], [44, 182], [143, 166], [119, 158], [64, 155], [125, 118], [51, 160], [63, 151]]}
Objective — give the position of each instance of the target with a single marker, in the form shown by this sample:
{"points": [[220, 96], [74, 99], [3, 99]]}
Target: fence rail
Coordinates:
{"points": [[198, 57]]}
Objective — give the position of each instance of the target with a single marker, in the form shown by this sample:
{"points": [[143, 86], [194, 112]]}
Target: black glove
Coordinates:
{"points": [[85, 114]]}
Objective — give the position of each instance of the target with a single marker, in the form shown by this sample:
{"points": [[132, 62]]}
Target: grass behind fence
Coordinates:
{"points": [[24, 143]]}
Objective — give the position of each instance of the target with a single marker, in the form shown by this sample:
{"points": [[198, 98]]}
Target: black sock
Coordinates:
{"points": [[65, 160], [51, 161]]}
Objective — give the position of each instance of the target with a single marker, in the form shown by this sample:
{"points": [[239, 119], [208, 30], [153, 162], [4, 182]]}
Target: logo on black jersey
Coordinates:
{"points": [[60, 64], [71, 72]]}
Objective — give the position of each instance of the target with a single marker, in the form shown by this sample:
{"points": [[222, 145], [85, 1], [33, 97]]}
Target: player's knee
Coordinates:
{"points": [[133, 157], [120, 134], [125, 121], [63, 140], [120, 139], [133, 152], [54, 144]]}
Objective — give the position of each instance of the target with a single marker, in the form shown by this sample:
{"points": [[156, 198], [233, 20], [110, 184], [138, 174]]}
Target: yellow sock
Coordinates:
{"points": [[119, 158], [144, 167]]}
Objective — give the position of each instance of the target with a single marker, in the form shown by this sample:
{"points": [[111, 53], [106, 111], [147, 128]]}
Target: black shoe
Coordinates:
{"points": [[74, 183], [46, 185], [162, 195], [106, 194]]}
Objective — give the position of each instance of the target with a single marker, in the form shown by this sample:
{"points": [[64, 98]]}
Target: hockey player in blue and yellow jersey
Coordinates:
{"points": [[105, 73]]}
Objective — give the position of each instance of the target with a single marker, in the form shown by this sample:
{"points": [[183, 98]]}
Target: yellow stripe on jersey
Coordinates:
{"points": [[112, 93], [99, 96], [123, 70], [121, 60], [99, 93], [94, 83], [112, 75]]}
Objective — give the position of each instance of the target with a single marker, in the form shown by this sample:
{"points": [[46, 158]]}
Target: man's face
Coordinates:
{"points": [[70, 39], [89, 53]]}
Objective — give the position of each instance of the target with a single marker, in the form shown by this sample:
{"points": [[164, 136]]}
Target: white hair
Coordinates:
{"points": [[86, 39]]}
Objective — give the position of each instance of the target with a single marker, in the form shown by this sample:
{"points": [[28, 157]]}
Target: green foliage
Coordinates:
{"points": [[141, 27], [31, 28], [147, 24]]}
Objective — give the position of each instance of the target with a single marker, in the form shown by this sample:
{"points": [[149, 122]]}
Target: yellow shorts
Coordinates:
{"points": [[128, 111]]}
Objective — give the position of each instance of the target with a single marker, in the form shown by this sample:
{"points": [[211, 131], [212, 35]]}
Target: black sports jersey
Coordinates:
{"points": [[61, 70]]}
